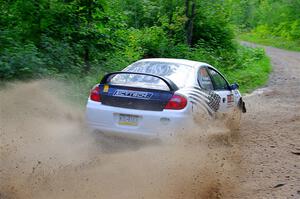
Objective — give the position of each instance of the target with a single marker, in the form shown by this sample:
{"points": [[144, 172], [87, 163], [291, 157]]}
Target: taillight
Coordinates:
{"points": [[177, 102], [95, 94]]}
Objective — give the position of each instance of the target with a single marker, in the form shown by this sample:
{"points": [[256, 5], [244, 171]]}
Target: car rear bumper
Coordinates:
{"points": [[150, 123]]}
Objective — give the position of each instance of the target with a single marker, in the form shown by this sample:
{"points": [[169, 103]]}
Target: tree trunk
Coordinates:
{"points": [[86, 53], [190, 20], [171, 10], [86, 58], [37, 23]]}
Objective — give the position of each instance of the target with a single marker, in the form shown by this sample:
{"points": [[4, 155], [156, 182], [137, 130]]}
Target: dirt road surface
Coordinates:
{"points": [[270, 134], [47, 152]]}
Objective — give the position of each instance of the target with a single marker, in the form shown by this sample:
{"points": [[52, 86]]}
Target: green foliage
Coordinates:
{"points": [[271, 41], [212, 27], [84, 39], [152, 41], [60, 57], [21, 62], [252, 69], [262, 31], [268, 20]]}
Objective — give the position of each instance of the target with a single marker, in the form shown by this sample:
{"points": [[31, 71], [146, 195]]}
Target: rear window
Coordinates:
{"points": [[141, 81], [178, 73]]}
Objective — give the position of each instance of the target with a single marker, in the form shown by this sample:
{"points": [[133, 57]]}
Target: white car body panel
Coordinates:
{"points": [[150, 124], [226, 105]]}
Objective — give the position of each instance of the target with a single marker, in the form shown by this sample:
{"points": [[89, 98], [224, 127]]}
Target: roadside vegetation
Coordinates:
{"points": [[269, 22], [77, 41], [270, 40]]}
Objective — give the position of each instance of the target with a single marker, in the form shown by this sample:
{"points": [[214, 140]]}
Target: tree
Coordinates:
{"points": [[190, 12]]}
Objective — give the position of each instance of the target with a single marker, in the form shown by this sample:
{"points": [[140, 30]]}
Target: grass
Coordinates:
{"points": [[251, 70], [278, 42], [252, 76]]}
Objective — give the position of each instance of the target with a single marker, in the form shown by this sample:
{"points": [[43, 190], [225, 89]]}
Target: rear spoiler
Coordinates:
{"points": [[172, 86]]}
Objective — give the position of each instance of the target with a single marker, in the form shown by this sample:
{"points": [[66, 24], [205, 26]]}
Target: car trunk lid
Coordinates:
{"points": [[136, 91]]}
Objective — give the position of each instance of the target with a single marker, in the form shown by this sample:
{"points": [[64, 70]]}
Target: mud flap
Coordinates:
{"points": [[242, 106]]}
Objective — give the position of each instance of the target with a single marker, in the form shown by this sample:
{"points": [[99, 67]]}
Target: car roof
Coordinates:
{"points": [[176, 61]]}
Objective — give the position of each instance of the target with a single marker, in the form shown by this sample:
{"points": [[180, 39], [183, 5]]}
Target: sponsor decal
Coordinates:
{"points": [[132, 94], [105, 88], [230, 99]]}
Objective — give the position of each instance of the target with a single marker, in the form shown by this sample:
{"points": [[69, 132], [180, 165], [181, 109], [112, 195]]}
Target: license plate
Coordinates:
{"points": [[129, 120]]}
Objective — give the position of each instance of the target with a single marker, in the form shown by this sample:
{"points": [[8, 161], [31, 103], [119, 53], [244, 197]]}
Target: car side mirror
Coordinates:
{"points": [[234, 86]]}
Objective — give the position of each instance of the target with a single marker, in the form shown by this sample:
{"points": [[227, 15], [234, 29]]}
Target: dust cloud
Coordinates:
{"points": [[46, 151]]}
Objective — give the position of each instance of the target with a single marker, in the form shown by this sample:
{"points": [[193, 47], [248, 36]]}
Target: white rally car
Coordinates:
{"points": [[159, 96]]}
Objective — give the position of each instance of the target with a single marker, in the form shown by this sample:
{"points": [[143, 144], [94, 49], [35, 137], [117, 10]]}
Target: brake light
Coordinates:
{"points": [[177, 102], [95, 94]]}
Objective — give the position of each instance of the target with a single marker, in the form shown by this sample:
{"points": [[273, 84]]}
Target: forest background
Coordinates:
{"points": [[77, 41]]}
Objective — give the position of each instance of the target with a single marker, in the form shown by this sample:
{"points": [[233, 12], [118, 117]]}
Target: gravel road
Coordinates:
{"points": [[270, 134], [47, 152]]}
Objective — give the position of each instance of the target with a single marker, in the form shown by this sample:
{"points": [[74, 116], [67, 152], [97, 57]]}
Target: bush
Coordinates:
{"points": [[262, 31], [21, 62], [60, 57], [295, 30]]}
